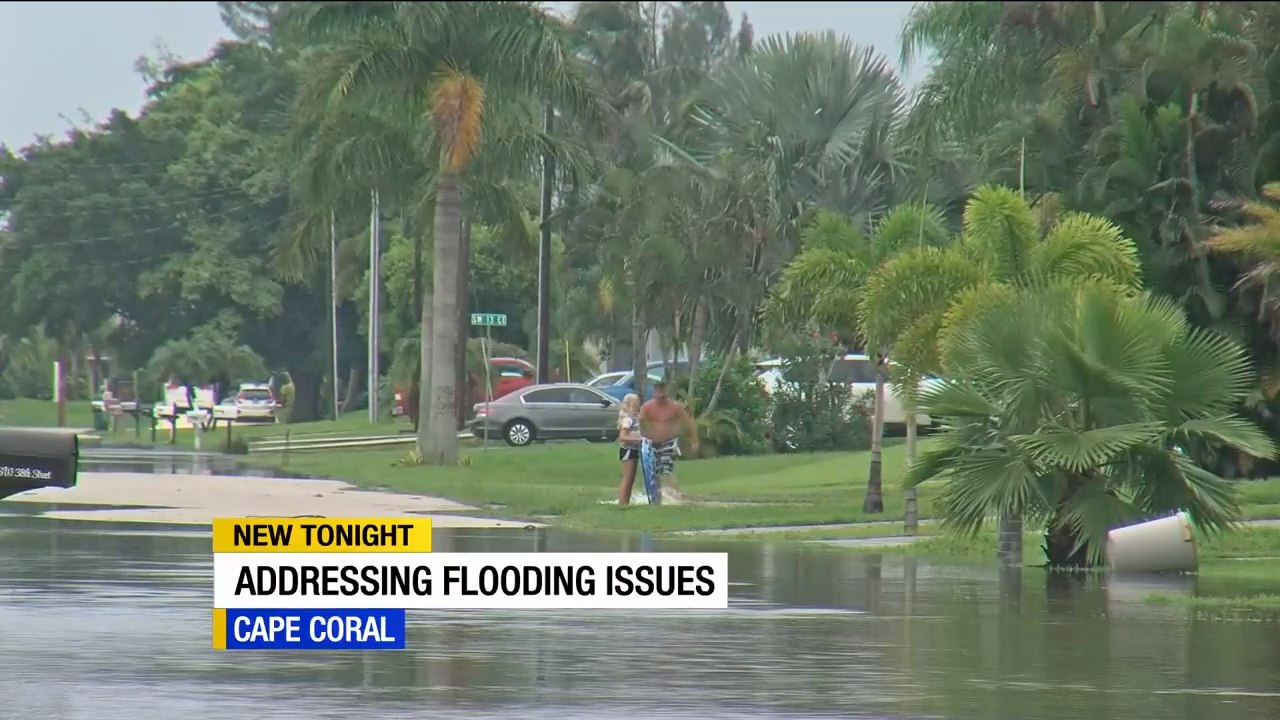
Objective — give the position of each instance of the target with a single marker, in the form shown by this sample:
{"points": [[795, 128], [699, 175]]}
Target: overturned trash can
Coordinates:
{"points": [[32, 459], [1164, 545]]}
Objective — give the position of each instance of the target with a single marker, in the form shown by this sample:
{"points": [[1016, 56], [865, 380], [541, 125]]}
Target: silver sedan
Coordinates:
{"points": [[557, 411]]}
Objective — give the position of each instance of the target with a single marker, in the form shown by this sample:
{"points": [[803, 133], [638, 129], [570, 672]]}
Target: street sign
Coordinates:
{"points": [[489, 319]]}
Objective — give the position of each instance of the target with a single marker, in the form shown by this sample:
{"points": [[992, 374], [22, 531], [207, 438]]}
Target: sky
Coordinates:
{"points": [[82, 54]]}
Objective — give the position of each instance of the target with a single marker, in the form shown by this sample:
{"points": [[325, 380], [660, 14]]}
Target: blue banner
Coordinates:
{"points": [[315, 630]]}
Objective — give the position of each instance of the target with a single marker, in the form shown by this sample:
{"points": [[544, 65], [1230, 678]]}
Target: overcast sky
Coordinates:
{"points": [[62, 60]]}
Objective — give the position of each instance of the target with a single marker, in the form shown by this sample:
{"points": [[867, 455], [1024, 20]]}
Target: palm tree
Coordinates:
{"points": [[824, 283], [1067, 405], [454, 63], [916, 295], [803, 121]]}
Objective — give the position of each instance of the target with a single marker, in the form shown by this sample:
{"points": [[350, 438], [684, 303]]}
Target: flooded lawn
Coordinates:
{"points": [[103, 621]]}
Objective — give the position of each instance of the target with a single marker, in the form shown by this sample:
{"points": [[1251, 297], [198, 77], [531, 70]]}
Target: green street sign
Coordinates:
{"points": [[489, 319]]}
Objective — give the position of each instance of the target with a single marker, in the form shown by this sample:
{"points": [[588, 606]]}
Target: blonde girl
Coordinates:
{"points": [[628, 445]]}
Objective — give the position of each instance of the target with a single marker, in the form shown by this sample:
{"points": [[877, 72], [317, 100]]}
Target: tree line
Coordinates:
{"points": [[722, 193]]}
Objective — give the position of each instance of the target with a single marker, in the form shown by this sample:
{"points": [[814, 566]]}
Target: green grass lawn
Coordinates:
{"points": [[43, 413], [569, 481]]}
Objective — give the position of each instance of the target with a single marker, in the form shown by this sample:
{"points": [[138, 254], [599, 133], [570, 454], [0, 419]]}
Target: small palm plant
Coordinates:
{"points": [[1068, 407]]}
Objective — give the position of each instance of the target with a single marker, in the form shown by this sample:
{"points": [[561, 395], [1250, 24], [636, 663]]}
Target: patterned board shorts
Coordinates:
{"points": [[665, 454]]}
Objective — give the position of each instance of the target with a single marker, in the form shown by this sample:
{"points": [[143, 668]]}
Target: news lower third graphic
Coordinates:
{"points": [[346, 584]]}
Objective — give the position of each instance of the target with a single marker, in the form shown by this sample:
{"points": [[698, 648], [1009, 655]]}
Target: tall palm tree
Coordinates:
{"points": [[454, 63], [803, 121]]}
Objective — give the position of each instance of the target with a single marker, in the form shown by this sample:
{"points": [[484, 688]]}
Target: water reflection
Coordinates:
{"points": [[109, 622], [173, 462]]}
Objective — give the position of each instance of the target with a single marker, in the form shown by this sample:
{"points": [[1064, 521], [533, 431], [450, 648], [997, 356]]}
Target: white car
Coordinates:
{"points": [[255, 402], [607, 379], [856, 370]]}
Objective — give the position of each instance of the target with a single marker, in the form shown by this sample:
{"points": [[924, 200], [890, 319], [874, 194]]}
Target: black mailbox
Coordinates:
{"points": [[31, 459]]}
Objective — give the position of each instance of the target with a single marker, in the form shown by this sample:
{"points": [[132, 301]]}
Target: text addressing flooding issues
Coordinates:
{"points": [[334, 583]]}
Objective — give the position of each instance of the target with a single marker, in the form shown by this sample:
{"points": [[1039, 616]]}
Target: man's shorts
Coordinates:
{"points": [[665, 456]]}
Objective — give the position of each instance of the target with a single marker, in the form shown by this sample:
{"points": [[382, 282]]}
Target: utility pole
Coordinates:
{"points": [[375, 314], [333, 308], [544, 257]]}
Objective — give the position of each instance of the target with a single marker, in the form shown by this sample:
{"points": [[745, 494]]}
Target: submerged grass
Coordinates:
{"points": [[43, 414], [1239, 575]]}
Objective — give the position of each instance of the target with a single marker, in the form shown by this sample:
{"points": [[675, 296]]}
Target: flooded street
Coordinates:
{"points": [[103, 621]]}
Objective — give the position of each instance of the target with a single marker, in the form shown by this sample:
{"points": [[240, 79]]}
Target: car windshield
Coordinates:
{"points": [[604, 380], [255, 395], [853, 370]]}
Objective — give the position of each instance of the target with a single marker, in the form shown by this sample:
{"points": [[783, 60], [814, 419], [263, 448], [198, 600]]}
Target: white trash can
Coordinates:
{"points": [[1164, 545]]}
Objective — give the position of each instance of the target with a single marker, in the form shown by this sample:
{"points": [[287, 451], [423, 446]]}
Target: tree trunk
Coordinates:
{"points": [[305, 405], [95, 372], [1189, 150], [421, 394], [1059, 548], [353, 387], [874, 500], [1060, 538], [461, 381], [729, 356], [444, 333], [697, 339], [639, 354], [910, 498], [1009, 540]]}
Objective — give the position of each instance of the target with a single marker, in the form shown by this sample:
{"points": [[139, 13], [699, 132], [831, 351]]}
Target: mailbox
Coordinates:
{"points": [[31, 459]]}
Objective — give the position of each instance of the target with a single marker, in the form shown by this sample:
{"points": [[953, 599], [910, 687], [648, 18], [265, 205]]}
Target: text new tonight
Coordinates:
{"points": [[321, 535]]}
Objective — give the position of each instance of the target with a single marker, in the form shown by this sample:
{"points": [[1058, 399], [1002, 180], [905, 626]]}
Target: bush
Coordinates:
{"points": [[28, 370], [808, 413], [286, 400], [739, 423], [237, 446]]}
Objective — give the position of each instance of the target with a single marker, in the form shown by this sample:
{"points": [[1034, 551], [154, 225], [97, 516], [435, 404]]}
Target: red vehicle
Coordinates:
{"points": [[507, 373]]}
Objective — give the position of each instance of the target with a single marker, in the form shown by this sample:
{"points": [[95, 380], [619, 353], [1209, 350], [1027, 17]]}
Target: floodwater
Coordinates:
{"points": [[101, 621]]}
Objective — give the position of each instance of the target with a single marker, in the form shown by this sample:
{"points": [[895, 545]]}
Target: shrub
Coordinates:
{"points": [[237, 446], [739, 423], [809, 413], [28, 369]]}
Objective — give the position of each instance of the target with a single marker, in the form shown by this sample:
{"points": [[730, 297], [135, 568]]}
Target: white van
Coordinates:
{"points": [[856, 370]]}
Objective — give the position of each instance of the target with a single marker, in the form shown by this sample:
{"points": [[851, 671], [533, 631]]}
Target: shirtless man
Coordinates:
{"points": [[660, 421]]}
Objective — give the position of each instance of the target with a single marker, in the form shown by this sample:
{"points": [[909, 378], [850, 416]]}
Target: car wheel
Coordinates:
{"points": [[518, 433]]}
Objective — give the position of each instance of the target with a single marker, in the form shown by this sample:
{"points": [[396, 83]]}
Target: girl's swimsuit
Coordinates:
{"points": [[629, 449]]}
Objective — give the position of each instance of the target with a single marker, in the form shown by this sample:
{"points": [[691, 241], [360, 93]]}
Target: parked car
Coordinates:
{"points": [[626, 384], [507, 373], [601, 382], [856, 370], [556, 411], [255, 402]]}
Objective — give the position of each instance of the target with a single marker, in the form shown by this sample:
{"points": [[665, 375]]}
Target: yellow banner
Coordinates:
{"points": [[321, 535]]}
